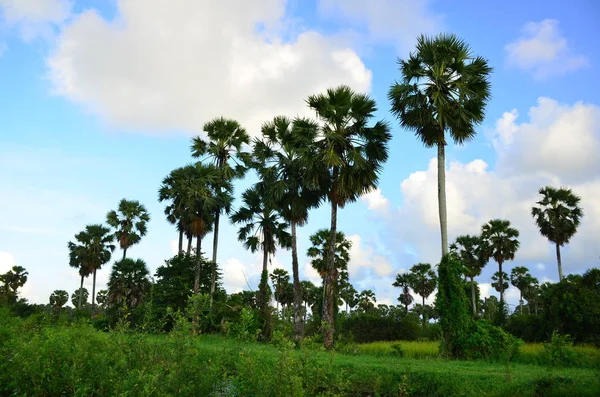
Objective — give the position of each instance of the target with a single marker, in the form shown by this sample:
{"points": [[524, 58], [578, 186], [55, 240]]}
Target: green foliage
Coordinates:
{"points": [[129, 222], [559, 351], [246, 327], [11, 281]]}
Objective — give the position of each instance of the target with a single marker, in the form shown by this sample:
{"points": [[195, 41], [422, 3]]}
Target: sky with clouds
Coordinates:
{"points": [[101, 98]]}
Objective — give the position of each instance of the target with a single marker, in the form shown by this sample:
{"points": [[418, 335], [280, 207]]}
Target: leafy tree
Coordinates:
{"points": [[558, 216], [80, 297], [129, 222], [521, 279], [471, 253], [423, 281], [349, 294], [58, 299], [280, 278], [128, 282], [490, 307], [344, 162], [11, 281], [500, 243], [319, 252], [94, 248], [366, 301], [102, 298], [500, 283], [403, 281], [224, 147], [262, 228], [532, 294], [309, 295], [279, 156], [444, 88]]}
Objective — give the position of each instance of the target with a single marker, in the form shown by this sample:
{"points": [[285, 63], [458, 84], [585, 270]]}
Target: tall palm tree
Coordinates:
{"points": [[280, 279], [403, 281], [444, 88], [77, 260], [470, 252], [129, 222], [172, 189], [94, 248], [128, 282], [558, 216], [224, 149], [521, 279], [500, 242], [423, 281], [343, 163], [279, 156], [262, 228]]}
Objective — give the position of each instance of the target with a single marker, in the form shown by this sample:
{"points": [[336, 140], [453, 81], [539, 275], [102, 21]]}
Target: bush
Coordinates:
{"points": [[486, 341], [559, 352]]}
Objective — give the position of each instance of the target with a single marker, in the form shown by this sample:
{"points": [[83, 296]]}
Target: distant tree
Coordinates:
{"points": [[532, 294], [366, 301], [444, 88], [128, 283], [558, 216], [80, 297], [309, 291], [343, 163], [500, 283], [11, 281], [58, 299], [280, 278], [500, 243], [472, 255], [423, 281], [403, 281], [349, 294], [102, 298], [521, 279], [490, 307], [129, 222]]}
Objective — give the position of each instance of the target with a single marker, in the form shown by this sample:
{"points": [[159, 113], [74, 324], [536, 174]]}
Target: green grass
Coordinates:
{"points": [[45, 360]]}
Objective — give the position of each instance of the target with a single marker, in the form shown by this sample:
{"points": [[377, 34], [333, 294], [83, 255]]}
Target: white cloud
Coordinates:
{"points": [[543, 51], [364, 258], [375, 200], [35, 18], [395, 21], [540, 266], [171, 67]]}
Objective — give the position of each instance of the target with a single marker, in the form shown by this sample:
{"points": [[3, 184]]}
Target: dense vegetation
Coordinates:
{"points": [[150, 335]]}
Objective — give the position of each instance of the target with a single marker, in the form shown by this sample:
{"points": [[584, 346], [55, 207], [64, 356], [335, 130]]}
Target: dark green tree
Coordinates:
{"points": [[79, 298], [128, 283], [403, 282], [423, 281], [129, 222], [521, 279], [58, 299], [11, 281], [471, 253]]}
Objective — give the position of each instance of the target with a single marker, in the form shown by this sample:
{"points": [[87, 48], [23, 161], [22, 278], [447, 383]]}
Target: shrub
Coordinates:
{"points": [[559, 352]]}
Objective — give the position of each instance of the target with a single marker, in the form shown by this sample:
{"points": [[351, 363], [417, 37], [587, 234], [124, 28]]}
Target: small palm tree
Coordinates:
{"points": [[343, 163], [349, 295], [58, 299], [444, 88], [226, 138], [80, 297], [280, 279], [423, 281], [500, 283], [12, 280], [129, 222], [558, 216], [521, 279], [471, 253], [403, 281], [128, 282], [366, 301], [499, 242]]}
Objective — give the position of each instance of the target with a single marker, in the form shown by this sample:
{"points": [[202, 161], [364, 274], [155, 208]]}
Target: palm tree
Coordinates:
{"points": [[77, 260], [262, 228], [58, 299], [79, 297], [366, 301], [403, 281], [224, 147], [499, 242], [279, 156], [558, 216], [308, 295], [470, 252], [423, 281], [94, 249], [129, 222], [349, 294], [521, 279], [343, 163], [280, 278], [172, 189], [444, 88], [500, 283], [128, 282], [12, 280], [532, 294]]}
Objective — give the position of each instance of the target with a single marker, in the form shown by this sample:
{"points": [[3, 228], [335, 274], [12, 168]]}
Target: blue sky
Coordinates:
{"points": [[102, 98]]}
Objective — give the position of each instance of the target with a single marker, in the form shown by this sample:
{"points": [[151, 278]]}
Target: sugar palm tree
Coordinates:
{"points": [[501, 244], [470, 251], [444, 89], [280, 278], [79, 297], [319, 251], [366, 301], [11, 281], [58, 299], [279, 156], [172, 189], [521, 279], [423, 281], [262, 227], [94, 248], [558, 216], [128, 282], [344, 162], [77, 260], [403, 282], [223, 148], [129, 222], [500, 283], [349, 295]]}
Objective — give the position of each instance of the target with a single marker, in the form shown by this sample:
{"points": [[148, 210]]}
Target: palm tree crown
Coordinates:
{"points": [[129, 222]]}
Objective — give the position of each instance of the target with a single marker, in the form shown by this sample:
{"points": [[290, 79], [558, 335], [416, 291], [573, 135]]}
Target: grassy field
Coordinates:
{"points": [[43, 360]]}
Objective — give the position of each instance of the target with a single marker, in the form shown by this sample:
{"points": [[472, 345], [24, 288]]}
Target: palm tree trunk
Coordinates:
{"points": [[423, 308], [124, 252], [442, 197], [94, 295], [198, 263], [213, 279], [329, 284], [501, 282], [180, 242], [80, 294], [558, 260], [298, 325], [189, 247], [473, 298]]}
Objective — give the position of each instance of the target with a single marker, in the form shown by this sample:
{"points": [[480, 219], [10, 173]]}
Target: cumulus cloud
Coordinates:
{"points": [[543, 51], [170, 67], [35, 18], [396, 21], [375, 200]]}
